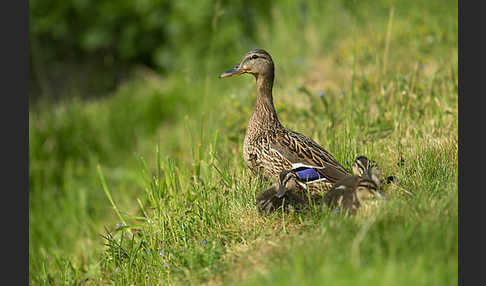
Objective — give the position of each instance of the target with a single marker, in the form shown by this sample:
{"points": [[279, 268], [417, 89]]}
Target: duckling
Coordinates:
{"points": [[269, 148], [351, 192], [268, 200]]}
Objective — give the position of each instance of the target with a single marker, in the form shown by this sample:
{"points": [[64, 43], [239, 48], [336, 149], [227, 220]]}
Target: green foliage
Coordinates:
{"points": [[65, 144], [151, 32], [375, 78], [106, 39]]}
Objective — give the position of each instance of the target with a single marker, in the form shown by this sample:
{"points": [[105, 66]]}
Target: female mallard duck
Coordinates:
{"points": [[269, 148], [351, 192]]}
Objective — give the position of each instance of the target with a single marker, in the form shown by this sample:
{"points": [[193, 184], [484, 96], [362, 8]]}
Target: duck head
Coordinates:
{"points": [[364, 168], [361, 165], [287, 182], [256, 62], [368, 189]]}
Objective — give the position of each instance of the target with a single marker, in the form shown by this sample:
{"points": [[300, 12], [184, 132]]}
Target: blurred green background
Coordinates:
{"points": [[111, 80], [88, 47]]}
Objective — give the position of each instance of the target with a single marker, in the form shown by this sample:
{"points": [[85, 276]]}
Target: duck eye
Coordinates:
{"points": [[254, 57]]}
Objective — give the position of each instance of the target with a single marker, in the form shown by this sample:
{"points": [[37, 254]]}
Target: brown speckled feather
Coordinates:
{"points": [[308, 150]]}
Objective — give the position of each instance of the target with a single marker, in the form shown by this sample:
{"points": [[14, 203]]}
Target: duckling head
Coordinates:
{"points": [[368, 189], [288, 181], [256, 62], [366, 169], [360, 165]]}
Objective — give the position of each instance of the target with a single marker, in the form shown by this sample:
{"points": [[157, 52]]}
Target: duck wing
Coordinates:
{"points": [[307, 158], [312, 152]]}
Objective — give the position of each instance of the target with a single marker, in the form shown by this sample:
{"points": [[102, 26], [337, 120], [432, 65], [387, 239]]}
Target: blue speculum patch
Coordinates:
{"points": [[309, 174]]}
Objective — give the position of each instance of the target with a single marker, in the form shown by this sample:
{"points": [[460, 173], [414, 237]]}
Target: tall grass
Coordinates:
{"points": [[378, 79]]}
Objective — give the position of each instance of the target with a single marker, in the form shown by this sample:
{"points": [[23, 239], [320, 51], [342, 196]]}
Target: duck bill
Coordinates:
{"points": [[232, 72], [380, 195], [366, 174], [281, 191]]}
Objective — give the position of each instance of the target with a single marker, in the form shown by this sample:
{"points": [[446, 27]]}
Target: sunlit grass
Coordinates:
{"points": [[148, 186]]}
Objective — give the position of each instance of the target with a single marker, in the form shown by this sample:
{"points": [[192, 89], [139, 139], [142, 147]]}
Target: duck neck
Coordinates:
{"points": [[264, 115]]}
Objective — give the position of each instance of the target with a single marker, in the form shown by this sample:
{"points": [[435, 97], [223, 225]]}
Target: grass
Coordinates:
{"points": [[148, 185]]}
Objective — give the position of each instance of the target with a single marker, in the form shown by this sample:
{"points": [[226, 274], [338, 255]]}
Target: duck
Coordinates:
{"points": [[269, 148], [349, 194]]}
